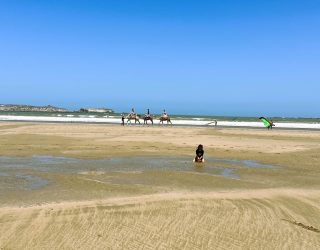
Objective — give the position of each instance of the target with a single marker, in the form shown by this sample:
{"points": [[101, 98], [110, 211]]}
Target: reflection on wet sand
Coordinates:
{"points": [[26, 172]]}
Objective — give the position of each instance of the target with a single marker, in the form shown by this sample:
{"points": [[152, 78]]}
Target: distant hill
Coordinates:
{"points": [[29, 108]]}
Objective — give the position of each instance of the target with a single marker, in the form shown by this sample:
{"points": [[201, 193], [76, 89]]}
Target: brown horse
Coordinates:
{"points": [[147, 118], [165, 118], [134, 117]]}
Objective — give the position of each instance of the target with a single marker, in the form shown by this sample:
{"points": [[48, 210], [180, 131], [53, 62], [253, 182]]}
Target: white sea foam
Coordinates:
{"points": [[186, 122]]}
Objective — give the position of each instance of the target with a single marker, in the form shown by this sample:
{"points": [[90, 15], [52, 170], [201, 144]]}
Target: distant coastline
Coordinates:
{"points": [[30, 108], [49, 109]]}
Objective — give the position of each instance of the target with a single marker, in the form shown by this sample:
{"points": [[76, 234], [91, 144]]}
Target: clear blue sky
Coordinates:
{"points": [[202, 57]]}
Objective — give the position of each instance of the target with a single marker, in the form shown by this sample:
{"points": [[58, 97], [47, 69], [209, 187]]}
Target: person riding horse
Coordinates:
{"points": [[165, 117], [147, 117], [133, 116]]}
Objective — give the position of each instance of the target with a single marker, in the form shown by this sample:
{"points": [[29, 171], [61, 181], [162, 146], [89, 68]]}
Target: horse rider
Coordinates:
{"points": [[132, 113], [164, 114], [148, 113]]}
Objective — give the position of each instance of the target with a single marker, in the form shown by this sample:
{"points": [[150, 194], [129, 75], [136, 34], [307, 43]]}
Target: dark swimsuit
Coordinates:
{"points": [[199, 154]]}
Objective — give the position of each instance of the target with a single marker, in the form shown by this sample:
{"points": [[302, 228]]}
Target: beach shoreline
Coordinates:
{"points": [[92, 119]]}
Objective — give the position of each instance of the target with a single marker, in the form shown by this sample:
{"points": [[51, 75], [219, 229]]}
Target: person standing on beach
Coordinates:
{"points": [[271, 125], [199, 154], [122, 119]]}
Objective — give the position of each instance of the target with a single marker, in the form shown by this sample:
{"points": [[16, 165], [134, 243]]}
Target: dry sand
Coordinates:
{"points": [[264, 209]]}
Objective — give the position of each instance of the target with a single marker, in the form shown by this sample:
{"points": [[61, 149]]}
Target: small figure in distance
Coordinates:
{"points": [[122, 119], [271, 124], [199, 154], [268, 123]]}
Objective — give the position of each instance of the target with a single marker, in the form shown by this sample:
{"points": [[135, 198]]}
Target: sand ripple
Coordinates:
{"points": [[236, 220]]}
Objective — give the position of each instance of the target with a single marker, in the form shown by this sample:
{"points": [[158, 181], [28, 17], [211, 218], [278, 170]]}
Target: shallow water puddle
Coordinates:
{"points": [[32, 182], [26, 169]]}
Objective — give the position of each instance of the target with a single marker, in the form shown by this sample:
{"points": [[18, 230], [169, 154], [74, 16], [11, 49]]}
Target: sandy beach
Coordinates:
{"points": [[81, 186]]}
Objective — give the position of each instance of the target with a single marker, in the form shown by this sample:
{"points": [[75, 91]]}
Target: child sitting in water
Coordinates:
{"points": [[199, 154]]}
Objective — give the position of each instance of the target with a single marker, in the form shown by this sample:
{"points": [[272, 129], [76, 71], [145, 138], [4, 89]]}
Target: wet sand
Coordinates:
{"points": [[88, 203]]}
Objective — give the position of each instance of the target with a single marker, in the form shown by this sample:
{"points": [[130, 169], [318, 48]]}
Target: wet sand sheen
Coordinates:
{"points": [[17, 167]]}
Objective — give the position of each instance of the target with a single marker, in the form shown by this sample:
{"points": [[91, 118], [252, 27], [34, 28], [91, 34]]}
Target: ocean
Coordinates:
{"points": [[184, 120]]}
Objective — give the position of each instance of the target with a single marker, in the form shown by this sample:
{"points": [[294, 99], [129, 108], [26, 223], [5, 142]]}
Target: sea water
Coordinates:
{"points": [[183, 120]]}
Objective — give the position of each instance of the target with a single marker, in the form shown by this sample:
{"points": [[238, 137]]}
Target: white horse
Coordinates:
{"points": [[165, 118], [134, 117]]}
